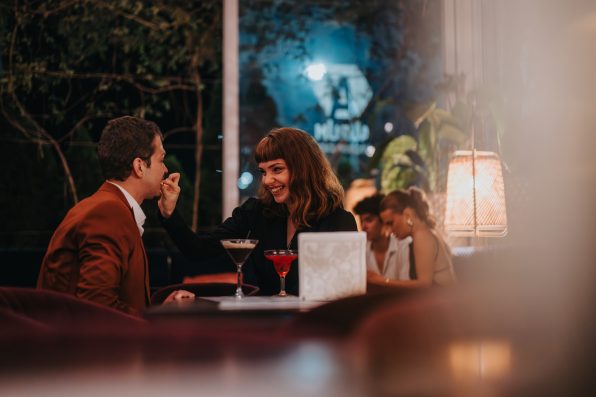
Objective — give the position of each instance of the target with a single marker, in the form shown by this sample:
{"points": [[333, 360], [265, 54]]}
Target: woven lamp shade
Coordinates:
{"points": [[475, 195]]}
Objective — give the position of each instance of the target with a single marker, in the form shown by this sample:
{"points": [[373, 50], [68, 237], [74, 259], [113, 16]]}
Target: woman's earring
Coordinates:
{"points": [[409, 222]]}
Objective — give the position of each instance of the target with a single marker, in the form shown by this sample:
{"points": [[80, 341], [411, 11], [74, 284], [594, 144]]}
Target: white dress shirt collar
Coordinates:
{"points": [[136, 208]]}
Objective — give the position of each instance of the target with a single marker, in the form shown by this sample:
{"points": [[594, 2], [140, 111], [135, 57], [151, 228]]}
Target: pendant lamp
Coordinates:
{"points": [[475, 195]]}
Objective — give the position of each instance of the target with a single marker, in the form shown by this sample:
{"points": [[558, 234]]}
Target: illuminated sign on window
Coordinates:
{"points": [[343, 93]]}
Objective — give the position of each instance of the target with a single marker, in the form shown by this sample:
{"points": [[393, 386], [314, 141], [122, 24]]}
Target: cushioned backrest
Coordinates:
{"points": [[55, 308]]}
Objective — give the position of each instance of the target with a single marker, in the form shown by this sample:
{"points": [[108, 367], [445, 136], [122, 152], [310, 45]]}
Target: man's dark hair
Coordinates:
{"points": [[122, 140], [369, 205]]}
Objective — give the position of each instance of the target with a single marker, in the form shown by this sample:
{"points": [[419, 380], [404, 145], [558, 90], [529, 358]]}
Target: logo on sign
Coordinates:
{"points": [[343, 94]]}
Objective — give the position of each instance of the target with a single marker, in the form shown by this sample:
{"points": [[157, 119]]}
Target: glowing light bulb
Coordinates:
{"points": [[316, 71], [245, 180]]}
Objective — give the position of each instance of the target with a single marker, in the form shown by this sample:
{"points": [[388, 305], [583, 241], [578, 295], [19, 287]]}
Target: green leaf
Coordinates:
{"points": [[397, 146], [426, 140]]}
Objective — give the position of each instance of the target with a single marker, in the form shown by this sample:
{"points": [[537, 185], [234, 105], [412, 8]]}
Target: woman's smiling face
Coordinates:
{"points": [[276, 179]]}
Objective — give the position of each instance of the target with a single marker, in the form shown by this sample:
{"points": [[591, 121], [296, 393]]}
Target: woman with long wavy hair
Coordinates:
{"points": [[299, 193]]}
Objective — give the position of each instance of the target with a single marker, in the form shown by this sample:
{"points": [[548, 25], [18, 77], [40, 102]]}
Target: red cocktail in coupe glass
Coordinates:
{"points": [[282, 260]]}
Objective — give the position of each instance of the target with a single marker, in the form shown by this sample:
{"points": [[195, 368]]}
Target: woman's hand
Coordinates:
{"points": [[374, 278], [169, 195]]}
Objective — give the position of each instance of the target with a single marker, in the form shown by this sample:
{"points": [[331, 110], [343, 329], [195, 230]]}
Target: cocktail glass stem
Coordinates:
{"points": [[282, 282], [239, 294]]}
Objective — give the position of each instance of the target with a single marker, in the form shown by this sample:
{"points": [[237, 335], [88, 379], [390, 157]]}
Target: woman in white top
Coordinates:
{"points": [[406, 212], [386, 256]]}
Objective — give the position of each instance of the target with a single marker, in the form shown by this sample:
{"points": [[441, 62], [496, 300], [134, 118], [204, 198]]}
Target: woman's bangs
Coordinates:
{"points": [[267, 150]]}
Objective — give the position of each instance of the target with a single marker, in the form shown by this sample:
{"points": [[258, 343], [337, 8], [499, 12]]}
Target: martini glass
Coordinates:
{"points": [[282, 260], [239, 250]]}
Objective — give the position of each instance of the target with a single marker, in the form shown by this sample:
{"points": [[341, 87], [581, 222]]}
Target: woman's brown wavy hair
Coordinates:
{"points": [[315, 191], [414, 198]]}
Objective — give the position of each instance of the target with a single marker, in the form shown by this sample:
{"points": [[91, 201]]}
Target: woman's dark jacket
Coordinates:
{"points": [[254, 217]]}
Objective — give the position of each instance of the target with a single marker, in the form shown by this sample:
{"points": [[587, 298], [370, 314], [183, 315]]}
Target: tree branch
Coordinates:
{"points": [[60, 7], [78, 125], [10, 85], [175, 83], [37, 128], [132, 17], [199, 143]]}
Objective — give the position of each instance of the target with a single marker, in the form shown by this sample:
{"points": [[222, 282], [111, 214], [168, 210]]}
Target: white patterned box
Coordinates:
{"points": [[332, 265]]}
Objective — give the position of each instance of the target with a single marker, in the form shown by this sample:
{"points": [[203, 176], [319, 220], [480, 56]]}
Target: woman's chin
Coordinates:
{"points": [[402, 236], [280, 199]]}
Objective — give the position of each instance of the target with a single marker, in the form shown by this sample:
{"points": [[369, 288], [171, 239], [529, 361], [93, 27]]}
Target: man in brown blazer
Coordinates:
{"points": [[97, 253]]}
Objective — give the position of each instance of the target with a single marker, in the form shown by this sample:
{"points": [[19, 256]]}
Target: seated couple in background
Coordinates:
{"points": [[97, 252], [414, 255]]}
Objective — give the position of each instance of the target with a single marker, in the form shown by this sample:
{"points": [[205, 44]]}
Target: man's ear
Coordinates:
{"points": [[138, 167]]}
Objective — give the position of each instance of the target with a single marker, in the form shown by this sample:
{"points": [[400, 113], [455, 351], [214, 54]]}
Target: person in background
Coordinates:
{"points": [[97, 253], [386, 256], [299, 193], [407, 213]]}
